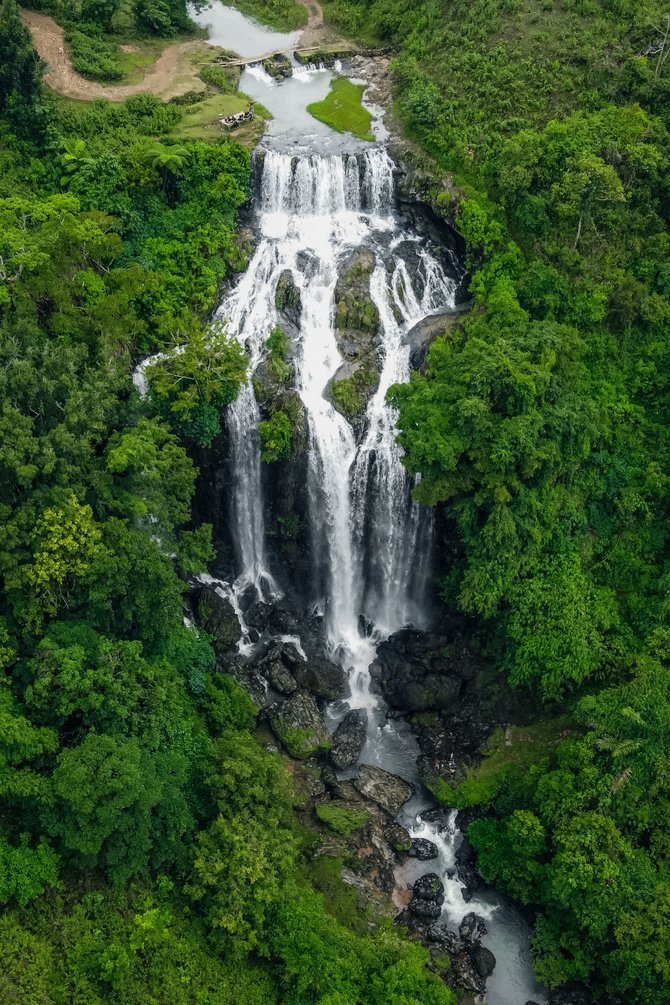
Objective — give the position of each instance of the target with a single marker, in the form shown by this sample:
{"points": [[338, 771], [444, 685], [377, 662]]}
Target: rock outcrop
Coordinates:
{"points": [[418, 672], [357, 326]]}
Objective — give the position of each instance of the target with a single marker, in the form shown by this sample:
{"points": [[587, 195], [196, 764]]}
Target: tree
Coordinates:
{"points": [[194, 379], [26, 871], [104, 792], [20, 73], [66, 544], [152, 477]]}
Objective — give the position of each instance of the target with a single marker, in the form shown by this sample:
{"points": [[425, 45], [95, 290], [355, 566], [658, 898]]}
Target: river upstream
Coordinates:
{"points": [[319, 198]]}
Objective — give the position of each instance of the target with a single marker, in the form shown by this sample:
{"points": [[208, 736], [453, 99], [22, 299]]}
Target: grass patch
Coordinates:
{"points": [[529, 746], [282, 15], [200, 121], [342, 109], [341, 819]]}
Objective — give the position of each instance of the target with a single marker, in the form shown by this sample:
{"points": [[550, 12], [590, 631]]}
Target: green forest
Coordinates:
{"points": [[150, 848]]}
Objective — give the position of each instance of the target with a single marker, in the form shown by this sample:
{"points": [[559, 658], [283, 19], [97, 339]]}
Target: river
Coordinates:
{"points": [[320, 197]]}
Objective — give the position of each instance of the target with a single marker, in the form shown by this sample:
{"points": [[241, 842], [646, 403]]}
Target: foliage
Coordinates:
{"points": [[194, 381], [276, 435], [539, 428], [21, 100], [91, 55], [349, 394], [343, 110], [282, 15]]}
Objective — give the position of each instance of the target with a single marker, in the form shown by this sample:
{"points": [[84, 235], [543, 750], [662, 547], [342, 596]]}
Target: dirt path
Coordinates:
{"points": [[168, 76], [172, 74]]}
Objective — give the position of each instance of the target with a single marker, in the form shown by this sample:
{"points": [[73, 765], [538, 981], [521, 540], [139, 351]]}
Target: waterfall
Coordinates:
{"points": [[369, 540]]}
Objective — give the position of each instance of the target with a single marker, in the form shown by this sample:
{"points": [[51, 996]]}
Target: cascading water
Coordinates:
{"points": [[366, 531], [369, 540]]}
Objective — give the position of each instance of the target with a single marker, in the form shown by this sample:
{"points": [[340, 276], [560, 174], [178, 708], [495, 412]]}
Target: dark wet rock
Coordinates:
{"points": [[472, 928], [298, 725], [423, 849], [484, 961], [387, 790], [283, 619], [257, 615], [466, 894], [398, 838], [429, 887], [465, 975], [428, 909], [288, 302], [280, 677], [322, 678], [447, 940], [216, 616], [349, 738], [416, 672], [423, 334], [468, 873]]}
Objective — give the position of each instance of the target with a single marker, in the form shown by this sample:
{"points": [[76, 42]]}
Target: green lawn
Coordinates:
{"points": [[201, 120], [343, 110]]}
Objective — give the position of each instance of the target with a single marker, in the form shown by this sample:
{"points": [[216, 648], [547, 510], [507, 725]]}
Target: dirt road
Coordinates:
{"points": [[169, 76]]}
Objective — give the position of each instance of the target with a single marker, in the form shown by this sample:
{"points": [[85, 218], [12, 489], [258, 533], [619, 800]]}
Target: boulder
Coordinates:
{"points": [[465, 975], [423, 849], [352, 387], [428, 909], [349, 738], [298, 725], [387, 790], [472, 928], [322, 678], [429, 887], [217, 616], [278, 66], [280, 677], [484, 961], [424, 333], [445, 939]]}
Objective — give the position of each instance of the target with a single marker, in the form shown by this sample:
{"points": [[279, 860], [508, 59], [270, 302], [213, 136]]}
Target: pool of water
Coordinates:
{"points": [[288, 101], [235, 31]]}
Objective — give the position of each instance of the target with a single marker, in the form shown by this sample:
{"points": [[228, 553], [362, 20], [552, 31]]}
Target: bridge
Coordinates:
{"points": [[304, 51]]}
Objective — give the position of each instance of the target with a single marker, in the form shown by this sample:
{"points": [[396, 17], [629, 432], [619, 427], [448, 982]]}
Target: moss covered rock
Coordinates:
{"points": [[342, 817], [298, 725], [278, 66], [216, 615], [356, 316]]}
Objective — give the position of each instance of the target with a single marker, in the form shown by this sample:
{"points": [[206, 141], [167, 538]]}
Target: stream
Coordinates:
{"points": [[320, 198]]}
